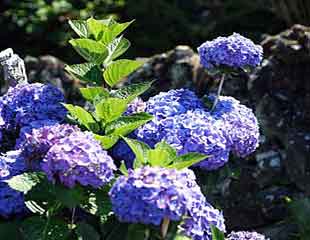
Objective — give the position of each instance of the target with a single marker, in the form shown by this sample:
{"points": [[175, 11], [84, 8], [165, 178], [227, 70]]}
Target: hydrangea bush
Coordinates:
{"points": [[70, 172]]}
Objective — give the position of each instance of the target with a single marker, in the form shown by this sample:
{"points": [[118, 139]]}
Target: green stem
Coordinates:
{"points": [[218, 91], [164, 227], [45, 231]]}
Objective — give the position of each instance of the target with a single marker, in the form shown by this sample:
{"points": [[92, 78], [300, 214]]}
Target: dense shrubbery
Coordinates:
{"points": [[58, 180]]}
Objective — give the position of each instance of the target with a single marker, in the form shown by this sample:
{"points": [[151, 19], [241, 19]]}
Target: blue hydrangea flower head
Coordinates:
{"points": [[136, 106], [192, 131], [11, 201], [243, 235], [26, 103], [148, 195], [36, 142], [198, 224], [78, 159], [240, 126], [234, 51]]}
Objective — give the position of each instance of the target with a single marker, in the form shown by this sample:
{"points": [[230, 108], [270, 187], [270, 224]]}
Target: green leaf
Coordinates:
{"points": [[116, 48], [90, 93], [96, 28], [136, 232], [91, 50], [217, 234], [187, 160], [140, 149], [181, 237], [123, 168], [83, 117], [110, 109], [69, 197], [106, 141], [85, 231], [119, 69], [86, 72], [25, 182], [37, 228], [162, 155], [114, 29], [10, 230], [132, 91], [80, 27], [126, 124]]}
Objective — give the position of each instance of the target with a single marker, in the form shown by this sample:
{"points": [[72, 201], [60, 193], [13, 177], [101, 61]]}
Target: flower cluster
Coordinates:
{"points": [[78, 158], [26, 103], [242, 235], [231, 126], [37, 141], [136, 106], [233, 51], [11, 201], [151, 194]]}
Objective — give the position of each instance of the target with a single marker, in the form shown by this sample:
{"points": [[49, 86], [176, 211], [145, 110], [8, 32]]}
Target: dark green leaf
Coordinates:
{"points": [[91, 50], [90, 93], [80, 27], [25, 182], [119, 69], [37, 228], [136, 232], [10, 230], [126, 124], [87, 72], [85, 231], [217, 234], [69, 197], [83, 117], [107, 141], [114, 30], [131, 91], [140, 149], [110, 109], [187, 160]]}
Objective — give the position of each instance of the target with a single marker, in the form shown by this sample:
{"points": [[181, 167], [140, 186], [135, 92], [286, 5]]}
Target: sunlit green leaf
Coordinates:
{"points": [[116, 48], [123, 169], [217, 234], [187, 160], [114, 30], [25, 181], [106, 141], [96, 28], [140, 149], [110, 109], [126, 124], [80, 27], [119, 69], [91, 50], [86, 72], [162, 155], [90, 93]]}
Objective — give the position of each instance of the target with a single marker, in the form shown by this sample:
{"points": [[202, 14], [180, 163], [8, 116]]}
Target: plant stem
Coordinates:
{"points": [[164, 227], [219, 91], [72, 216]]}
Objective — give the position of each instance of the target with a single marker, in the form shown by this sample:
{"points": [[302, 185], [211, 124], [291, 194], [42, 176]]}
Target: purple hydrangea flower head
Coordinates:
{"points": [[198, 224], [148, 195], [240, 125], [243, 235], [233, 51], [136, 106], [78, 159], [26, 103], [36, 142], [193, 131], [11, 201]]}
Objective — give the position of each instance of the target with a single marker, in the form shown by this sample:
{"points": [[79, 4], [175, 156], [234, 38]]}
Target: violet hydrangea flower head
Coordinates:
{"points": [[36, 142], [240, 126], [78, 159], [26, 103], [193, 131], [243, 235], [234, 51], [136, 106], [148, 195], [198, 225], [11, 201]]}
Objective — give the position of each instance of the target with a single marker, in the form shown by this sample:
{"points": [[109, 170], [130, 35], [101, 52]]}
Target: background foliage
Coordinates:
{"points": [[40, 23]]}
